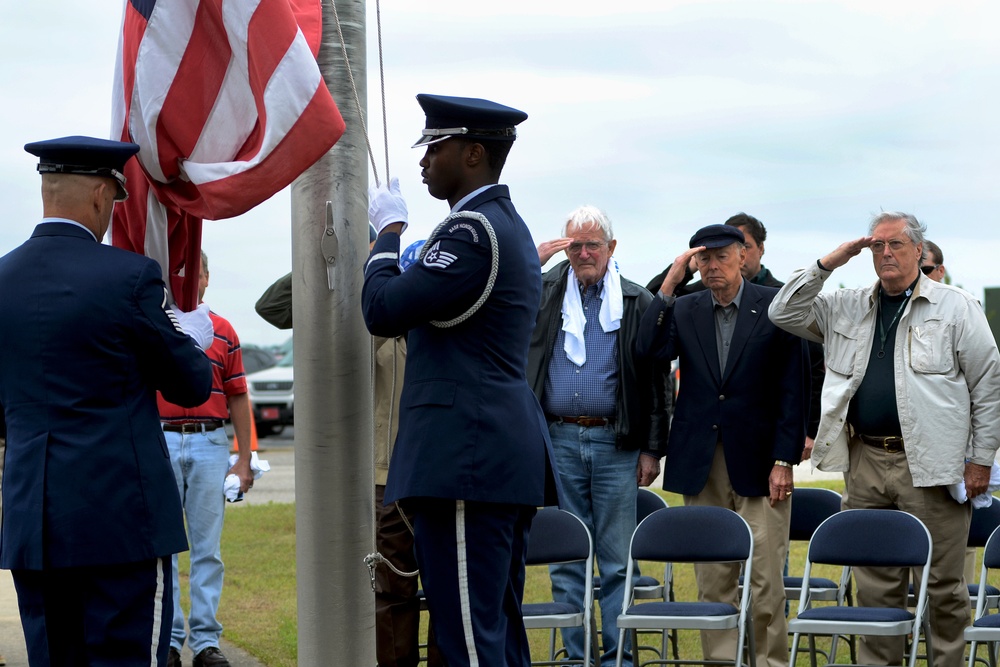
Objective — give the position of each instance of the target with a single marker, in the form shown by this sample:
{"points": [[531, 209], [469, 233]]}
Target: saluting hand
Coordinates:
{"points": [[547, 249], [844, 252], [678, 270]]}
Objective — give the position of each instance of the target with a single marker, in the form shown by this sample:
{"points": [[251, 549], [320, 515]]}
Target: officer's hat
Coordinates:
{"points": [[717, 236], [84, 155], [467, 117]]}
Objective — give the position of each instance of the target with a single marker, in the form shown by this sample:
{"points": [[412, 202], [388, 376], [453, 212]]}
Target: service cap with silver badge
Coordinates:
{"points": [[467, 117], [88, 156]]}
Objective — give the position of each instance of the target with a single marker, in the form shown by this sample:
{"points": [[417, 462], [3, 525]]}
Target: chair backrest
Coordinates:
{"points": [[984, 521], [647, 502], [811, 507], [875, 537], [692, 534], [991, 555], [556, 536]]}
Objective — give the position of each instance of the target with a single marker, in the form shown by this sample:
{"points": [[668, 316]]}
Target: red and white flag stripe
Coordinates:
{"points": [[228, 106]]}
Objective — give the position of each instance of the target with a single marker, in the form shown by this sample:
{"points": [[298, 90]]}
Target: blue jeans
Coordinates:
{"points": [[200, 462], [599, 486]]}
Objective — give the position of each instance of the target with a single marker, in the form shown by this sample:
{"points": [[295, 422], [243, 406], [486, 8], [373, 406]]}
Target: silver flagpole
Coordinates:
{"points": [[334, 478]]}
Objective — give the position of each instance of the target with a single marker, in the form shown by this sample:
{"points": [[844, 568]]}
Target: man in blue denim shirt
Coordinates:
{"points": [[608, 417]]}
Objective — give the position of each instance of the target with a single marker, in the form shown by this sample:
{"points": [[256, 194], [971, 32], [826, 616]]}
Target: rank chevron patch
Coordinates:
{"points": [[437, 258]]}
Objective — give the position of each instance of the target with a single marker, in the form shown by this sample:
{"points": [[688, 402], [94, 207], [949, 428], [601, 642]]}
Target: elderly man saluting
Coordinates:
{"points": [[739, 422], [608, 416], [911, 404]]}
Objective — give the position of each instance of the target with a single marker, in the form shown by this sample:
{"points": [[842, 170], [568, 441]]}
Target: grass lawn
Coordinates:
{"points": [[258, 608]]}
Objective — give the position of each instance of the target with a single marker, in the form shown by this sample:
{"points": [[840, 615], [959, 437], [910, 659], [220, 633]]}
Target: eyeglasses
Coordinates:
{"points": [[895, 245], [929, 269], [591, 246]]}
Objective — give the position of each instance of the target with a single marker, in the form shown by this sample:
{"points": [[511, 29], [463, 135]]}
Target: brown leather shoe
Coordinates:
{"points": [[173, 658], [210, 657]]}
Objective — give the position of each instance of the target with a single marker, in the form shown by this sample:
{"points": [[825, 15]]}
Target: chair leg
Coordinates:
{"points": [[928, 643], [751, 644], [832, 658], [619, 654]]}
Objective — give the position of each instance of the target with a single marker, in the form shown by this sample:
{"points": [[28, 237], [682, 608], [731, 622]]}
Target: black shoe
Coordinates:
{"points": [[173, 658], [210, 657]]}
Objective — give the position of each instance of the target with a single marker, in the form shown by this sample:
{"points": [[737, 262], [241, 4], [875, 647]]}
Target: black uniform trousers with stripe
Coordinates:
{"points": [[99, 616], [471, 557]]}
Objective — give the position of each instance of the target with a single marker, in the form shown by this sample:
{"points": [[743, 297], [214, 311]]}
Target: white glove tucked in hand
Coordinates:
{"points": [[386, 205], [198, 325]]}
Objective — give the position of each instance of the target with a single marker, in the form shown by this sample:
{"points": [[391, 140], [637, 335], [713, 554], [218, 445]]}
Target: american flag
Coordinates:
{"points": [[228, 106]]}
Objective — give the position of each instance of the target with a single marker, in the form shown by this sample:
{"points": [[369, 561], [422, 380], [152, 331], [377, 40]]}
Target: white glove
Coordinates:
{"points": [[198, 325], [386, 205]]}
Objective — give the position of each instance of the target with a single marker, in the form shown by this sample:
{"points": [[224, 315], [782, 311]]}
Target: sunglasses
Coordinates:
{"points": [[929, 269]]}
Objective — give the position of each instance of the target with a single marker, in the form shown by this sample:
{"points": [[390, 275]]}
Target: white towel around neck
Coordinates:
{"points": [[574, 320]]}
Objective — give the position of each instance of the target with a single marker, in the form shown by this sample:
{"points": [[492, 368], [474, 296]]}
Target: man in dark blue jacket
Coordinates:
{"points": [[469, 464], [91, 511], [739, 421]]}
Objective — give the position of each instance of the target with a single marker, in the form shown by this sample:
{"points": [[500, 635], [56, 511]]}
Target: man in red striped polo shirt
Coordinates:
{"points": [[199, 454]]}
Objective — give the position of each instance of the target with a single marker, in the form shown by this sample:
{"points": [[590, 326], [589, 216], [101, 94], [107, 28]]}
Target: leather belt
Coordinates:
{"points": [[193, 427], [586, 421], [890, 443]]}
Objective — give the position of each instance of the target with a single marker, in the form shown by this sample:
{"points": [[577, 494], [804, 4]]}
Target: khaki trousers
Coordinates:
{"points": [[719, 583], [881, 480]]}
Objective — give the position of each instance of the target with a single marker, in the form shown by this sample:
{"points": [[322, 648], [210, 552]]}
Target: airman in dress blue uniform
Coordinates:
{"points": [[90, 507], [469, 465]]}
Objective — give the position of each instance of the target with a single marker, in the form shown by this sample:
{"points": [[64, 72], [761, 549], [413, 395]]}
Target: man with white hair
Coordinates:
{"points": [[911, 405], [607, 415]]}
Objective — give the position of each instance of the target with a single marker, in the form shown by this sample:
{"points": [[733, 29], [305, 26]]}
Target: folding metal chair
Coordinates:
{"points": [[868, 538], [986, 626], [985, 521], [692, 534], [560, 537], [648, 587], [810, 508]]}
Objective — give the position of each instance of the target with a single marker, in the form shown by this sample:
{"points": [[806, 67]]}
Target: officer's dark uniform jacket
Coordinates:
{"points": [[84, 346], [642, 412], [469, 426]]}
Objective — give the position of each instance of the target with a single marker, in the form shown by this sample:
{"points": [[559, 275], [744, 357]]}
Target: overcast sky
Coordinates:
{"points": [[669, 115]]}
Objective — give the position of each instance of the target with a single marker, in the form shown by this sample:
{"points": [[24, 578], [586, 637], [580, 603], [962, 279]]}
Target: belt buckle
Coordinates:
{"points": [[892, 444], [190, 427]]}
